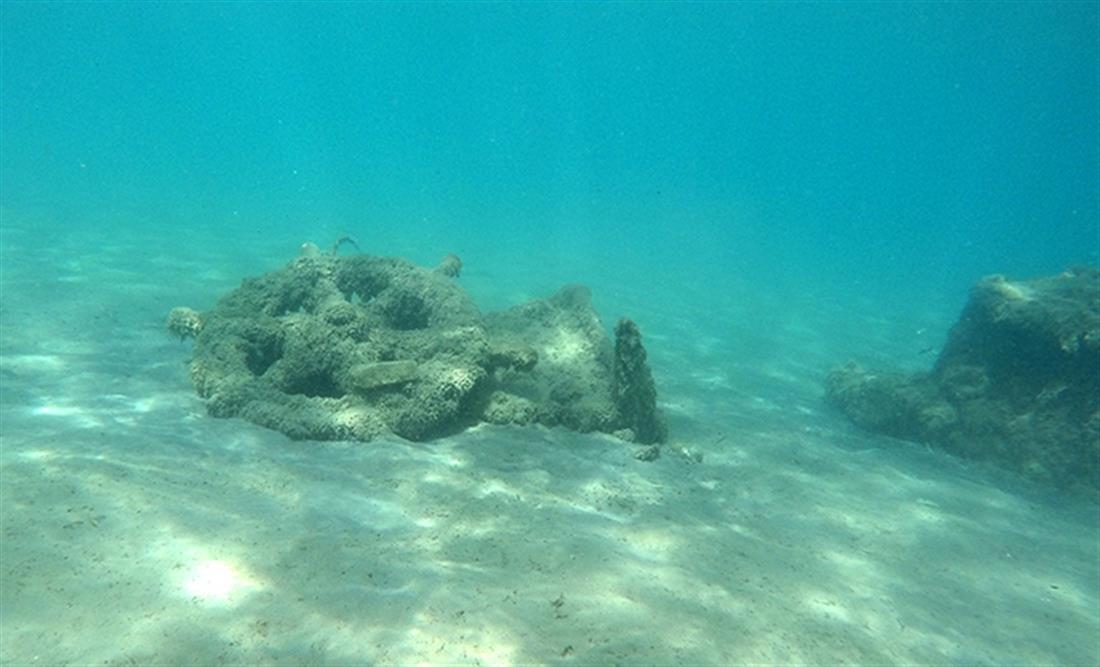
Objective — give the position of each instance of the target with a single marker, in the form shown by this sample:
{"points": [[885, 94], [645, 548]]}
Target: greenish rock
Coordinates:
{"points": [[1017, 383], [355, 347], [184, 323], [558, 372], [366, 377], [633, 389]]}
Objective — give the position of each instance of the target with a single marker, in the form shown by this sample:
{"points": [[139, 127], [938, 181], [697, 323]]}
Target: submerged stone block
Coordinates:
{"points": [[356, 347], [1017, 383], [365, 377]]}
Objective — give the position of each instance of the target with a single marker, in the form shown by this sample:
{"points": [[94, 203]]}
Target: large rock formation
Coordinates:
{"points": [[1018, 382], [355, 347]]}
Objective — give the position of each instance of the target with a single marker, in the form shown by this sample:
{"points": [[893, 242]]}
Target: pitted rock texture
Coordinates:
{"points": [[356, 347]]}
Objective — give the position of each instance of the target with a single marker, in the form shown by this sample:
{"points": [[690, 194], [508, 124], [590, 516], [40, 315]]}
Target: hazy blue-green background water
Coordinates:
{"points": [[768, 189], [890, 151]]}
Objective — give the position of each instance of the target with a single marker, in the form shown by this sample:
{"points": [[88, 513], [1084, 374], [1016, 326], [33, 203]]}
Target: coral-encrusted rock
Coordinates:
{"points": [[1018, 382], [356, 347], [184, 323], [633, 389], [344, 348], [568, 380]]}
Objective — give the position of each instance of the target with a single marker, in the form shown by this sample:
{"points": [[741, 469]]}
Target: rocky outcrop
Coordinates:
{"points": [[634, 393], [355, 347], [1018, 382]]}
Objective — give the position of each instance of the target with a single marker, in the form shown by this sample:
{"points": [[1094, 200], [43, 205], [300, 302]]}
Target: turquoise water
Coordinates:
{"points": [[768, 189], [914, 146]]}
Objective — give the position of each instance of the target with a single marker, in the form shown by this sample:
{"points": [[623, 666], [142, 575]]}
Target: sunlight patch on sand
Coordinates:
{"points": [[22, 363], [926, 512], [825, 606], [203, 573], [653, 545], [685, 407], [712, 380], [213, 581], [150, 403], [37, 455], [80, 415]]}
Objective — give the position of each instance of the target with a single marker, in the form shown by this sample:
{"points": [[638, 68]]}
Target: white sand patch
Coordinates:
{"points": [[511, 546]]}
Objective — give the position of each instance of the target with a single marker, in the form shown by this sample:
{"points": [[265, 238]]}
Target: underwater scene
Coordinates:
{"points": [[627, 333]]}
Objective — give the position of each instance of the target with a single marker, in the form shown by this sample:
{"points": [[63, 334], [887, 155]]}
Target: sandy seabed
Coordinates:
{"points": [[139, 531]]}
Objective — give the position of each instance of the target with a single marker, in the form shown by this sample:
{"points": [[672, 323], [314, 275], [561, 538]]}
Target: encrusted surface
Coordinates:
{"points": [[1018, 382], [332, 347]]}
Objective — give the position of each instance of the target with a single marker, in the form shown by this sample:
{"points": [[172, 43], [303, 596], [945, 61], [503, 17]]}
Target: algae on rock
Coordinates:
{"points": [[356, 347], [1017, 383], [634, 391]]}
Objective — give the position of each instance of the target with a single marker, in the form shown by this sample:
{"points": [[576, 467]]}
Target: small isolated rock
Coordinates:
{"points": [[184, 323], [648, 454]]}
